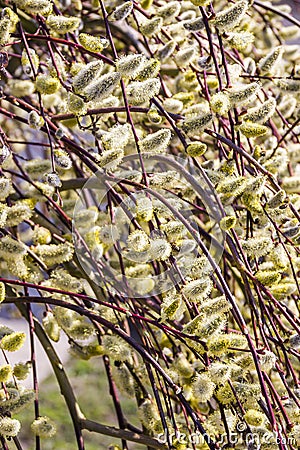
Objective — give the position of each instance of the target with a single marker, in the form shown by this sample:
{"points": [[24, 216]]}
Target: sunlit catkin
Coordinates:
{"points": [[229, 18]]}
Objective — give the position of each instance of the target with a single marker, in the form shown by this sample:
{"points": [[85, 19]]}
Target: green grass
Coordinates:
{"points": [[89, 381]]}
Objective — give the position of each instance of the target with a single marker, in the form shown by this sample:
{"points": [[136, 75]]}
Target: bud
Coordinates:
{"points": [[160, 249], [9, 427], [169, 11], [250, 129], [35, 120], [148, 413], [172, 307], [5, 187], [8, 13], [111, 159], [13, 342], [268, 64], [46, 84], [138, 241], [86, 75], [30, 59], [155, 142], [267, 360], [240, 96], [53, 179], [43, 7], [166, 51], [116, 348], [200, 2], [54, 254], [151, 26], [139, 92], [103, 87], [226, 223], [203, 388], [196, 124], [18, 213], [197, 290], [220, 103], [185, 56], [144, 209], [6, 373], [10, 247], [256, 247], [51, 326], [76, 105], [2, 292], [229, 18], [149, 70], [20, 88], [129, 65], [255, 418], [62, 159], [21, 370], [194, 24], [154, 116], [122, 11], [62, 24], [240, 40], [43, 427], [261, 113], [288, 84], [92, 43]]}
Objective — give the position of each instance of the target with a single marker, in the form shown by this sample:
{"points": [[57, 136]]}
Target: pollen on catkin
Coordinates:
{"points": [[155, 142], [160, 249], [54, 253], [250, 129], [240, 40], [243, 94], [129, 65], [203, 387], [46, 84], [9, 427], [103, 87], [92, 43], [231, 17], [121, 12], [6, 373], [10, 248], [220, 103], [62, 24], [43, 427], [21, 370], [138, 241], [195, 125], [256, 247], [43, 7], [261, 113], [86, 75], [194, 24], [13, 342], [139, 92], [149, 70], [269, 63], [197, 290]]}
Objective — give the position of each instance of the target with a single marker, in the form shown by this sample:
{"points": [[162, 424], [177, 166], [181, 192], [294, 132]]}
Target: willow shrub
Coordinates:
{"points": [[149, 191]]}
